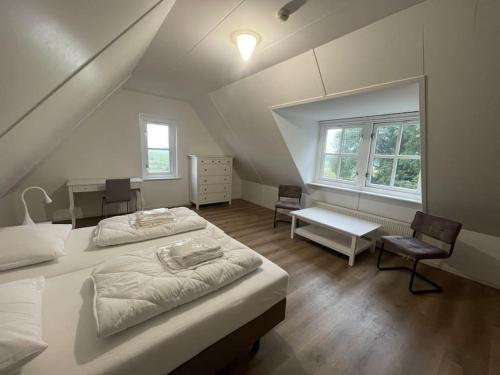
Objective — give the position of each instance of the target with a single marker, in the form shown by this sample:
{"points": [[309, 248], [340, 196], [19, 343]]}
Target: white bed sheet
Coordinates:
{"points": [[154, 347], [82, 253]]}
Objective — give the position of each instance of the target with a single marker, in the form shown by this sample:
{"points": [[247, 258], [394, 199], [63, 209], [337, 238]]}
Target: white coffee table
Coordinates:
{"points": [[337, 231]]}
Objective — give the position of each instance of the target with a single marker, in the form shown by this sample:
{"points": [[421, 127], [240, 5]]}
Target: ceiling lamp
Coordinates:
{"points": [[246, 42]]}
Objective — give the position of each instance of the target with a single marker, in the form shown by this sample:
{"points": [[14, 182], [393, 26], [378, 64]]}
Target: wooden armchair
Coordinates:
{"points": [[287, 191], [438, 228]]}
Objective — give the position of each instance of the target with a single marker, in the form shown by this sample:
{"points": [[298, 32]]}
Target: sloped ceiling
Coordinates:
{"points": [[193, 52], [59, 60]]}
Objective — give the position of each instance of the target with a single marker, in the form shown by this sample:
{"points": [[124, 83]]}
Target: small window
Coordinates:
{"points": [[159, 140]]}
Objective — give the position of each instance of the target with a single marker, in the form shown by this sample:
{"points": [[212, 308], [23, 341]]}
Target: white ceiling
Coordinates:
{"points": [[193, 54], [398, 99]]}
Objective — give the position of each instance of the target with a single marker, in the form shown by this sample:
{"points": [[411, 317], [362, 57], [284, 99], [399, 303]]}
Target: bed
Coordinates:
{"points": [[199, 336]]}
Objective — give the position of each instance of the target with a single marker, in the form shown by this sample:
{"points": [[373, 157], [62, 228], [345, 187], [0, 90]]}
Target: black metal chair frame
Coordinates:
{"points": [[413, 270], [436, 288]]}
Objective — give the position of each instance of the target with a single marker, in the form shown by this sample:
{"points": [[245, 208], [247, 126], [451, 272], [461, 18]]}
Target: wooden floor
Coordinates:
{"points": [[343, 320]]}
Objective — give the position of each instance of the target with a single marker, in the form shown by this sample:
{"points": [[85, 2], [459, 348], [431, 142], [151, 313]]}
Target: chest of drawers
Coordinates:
{"points": [[210, 179]]}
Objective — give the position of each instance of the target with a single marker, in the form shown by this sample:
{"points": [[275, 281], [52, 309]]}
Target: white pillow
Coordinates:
{"points": [[29, 244], [20, 323]]}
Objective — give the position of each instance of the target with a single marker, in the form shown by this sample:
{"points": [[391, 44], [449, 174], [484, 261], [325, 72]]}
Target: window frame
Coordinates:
{"points": [[144, 120], [396, 157], [348, 124], [366, 152]]}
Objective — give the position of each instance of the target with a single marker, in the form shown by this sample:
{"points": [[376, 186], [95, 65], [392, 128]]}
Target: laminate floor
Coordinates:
{"points": [[356, 320]]}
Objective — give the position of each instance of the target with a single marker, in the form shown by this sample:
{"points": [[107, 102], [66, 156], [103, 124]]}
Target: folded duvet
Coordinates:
{"points": [[134, 287], [123, 229]]}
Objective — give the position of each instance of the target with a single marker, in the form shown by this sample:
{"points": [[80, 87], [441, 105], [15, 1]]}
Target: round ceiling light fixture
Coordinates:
{"points": [[246, 41]]}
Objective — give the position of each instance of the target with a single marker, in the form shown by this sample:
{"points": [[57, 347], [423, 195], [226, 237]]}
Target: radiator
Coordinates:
{"points": [[389, 226]]}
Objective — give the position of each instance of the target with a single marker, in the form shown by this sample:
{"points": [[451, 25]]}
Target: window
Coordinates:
{"points": [[379, 154], [341, 153], [395, 159], [159, 141]]}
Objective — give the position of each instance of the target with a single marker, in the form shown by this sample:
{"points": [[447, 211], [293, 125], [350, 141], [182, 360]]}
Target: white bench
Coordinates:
{"points": [[339, 232]]}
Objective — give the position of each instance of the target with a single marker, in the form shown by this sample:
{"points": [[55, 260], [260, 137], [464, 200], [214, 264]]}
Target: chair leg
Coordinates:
{"points": [[436, 289], [127, 207], [380, 256], [255, 346], [414, 273], [275, 211]]}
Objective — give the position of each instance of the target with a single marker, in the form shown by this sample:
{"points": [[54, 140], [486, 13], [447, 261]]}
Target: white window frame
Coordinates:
{"points": [[361, 165], [144, 119], [395, 157], [365, 155]]}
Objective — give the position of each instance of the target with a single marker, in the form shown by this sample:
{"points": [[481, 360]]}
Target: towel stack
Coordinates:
{"points": [[152, 218], [189, 253]]}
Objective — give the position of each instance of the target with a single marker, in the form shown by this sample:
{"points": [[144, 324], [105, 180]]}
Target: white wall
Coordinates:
{"points": [[107, 144], [58, 82], [454, 43]]}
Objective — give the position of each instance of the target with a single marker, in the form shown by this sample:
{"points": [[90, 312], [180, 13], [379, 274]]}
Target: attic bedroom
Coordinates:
{"points": [[249, 187]]}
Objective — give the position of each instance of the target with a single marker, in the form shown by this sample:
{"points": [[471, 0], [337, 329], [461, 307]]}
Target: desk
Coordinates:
{"points": [[87, 185], [339, 232]]}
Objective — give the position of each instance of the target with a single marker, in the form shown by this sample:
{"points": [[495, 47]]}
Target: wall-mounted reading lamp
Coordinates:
{"points": [[27, 219]]}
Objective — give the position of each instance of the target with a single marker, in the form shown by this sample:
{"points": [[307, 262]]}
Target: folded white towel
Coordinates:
{"points": [[152, 218], [189, 253], [152, 213]]}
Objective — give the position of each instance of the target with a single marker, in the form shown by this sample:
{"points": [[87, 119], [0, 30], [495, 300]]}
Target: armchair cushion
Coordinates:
{"points": [[288, 205], [415, 248]]}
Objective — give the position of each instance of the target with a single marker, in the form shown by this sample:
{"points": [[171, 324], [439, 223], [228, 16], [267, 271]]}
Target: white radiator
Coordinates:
{"points": [[389, 226]]}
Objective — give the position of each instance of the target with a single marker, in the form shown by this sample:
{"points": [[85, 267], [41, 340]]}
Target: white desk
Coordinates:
{"points": [[337, 231], [87, 185]]}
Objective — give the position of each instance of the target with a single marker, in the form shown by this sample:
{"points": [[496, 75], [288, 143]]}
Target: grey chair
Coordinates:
{"points": [[116, 191], [291, 192], [443, 230]]}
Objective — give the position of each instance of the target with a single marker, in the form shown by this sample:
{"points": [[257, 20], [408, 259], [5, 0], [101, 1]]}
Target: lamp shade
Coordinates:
{"points": [[246, 42]]}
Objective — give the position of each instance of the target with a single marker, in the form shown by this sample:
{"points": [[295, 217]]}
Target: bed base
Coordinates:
{"points": [[217, 356]]}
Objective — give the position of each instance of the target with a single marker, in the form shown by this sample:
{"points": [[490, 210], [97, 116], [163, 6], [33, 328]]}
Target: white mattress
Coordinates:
{"points": [[153, 347]]}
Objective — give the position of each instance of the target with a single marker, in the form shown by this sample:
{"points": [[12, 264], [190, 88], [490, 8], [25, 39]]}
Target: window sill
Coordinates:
{"points": [[365, 192], [159, 178]]}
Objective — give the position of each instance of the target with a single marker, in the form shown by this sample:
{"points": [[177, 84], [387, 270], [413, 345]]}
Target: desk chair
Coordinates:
{"points": [[116, 191], [287, 191], [438, 228]]}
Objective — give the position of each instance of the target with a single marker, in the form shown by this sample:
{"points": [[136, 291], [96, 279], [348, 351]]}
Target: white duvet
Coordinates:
{"points": [[122, 229], [134, 287]]}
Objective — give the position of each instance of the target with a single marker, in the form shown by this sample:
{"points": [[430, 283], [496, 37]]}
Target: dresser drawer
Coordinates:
{"points": [[213, 197], [215, 180], [215, 161], [215, 170], [215, 188]]}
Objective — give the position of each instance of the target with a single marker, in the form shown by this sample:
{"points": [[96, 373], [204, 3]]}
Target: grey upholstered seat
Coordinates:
{"points": [[288, 205], [439, 228], [292, 194], [415, 248]]}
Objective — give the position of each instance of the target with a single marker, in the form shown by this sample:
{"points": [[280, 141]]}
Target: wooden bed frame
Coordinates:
{"points": [[223, 352]]}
